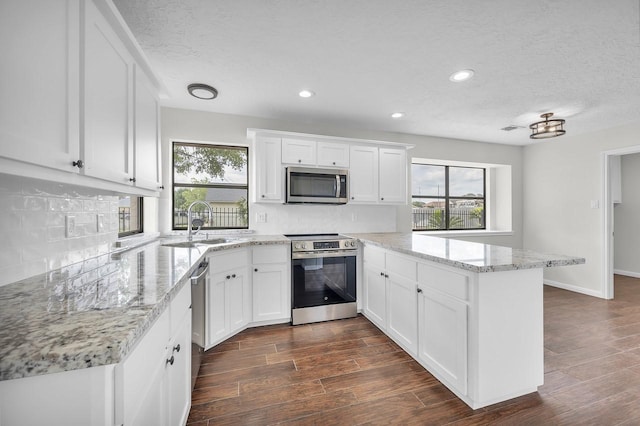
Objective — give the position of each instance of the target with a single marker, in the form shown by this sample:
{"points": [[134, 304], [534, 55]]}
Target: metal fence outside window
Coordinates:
{"points": [[223, 217], [430, 218]]}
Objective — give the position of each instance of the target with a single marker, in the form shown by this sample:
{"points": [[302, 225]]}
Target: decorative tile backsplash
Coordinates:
{"points": [[33, 226]]}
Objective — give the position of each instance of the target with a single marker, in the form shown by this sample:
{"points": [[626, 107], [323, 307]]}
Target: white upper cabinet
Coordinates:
{"points": [[39, 84], [363, 174], [298, 151], [108, 97], [147, 166], [332, 154], [268, 156], [76, 96], [393, 176]]}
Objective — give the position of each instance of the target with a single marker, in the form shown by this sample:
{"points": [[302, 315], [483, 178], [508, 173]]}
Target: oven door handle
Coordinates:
{"points": [[316, 255]]}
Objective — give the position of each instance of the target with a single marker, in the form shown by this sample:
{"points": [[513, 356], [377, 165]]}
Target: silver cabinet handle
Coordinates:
{"points": [[170, 360], [177, 348]]}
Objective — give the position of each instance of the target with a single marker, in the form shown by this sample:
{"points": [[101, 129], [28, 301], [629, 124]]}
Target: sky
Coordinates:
{"points": [[430, 180]]}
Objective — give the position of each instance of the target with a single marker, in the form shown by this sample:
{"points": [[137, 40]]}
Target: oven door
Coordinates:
{"points": [[323, 278]]}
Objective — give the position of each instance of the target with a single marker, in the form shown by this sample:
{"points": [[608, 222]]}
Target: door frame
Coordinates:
{"points": [[607, 219]]}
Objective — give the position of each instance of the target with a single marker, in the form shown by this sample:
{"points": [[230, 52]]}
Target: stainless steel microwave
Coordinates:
{"points": [[321, 186]]}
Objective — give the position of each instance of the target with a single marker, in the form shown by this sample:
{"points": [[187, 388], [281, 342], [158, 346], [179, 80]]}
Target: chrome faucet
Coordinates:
{"points": [[190, 234]]}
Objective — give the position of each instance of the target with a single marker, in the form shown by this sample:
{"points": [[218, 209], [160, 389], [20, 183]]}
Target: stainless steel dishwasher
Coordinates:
{"points": [[198, 324]]}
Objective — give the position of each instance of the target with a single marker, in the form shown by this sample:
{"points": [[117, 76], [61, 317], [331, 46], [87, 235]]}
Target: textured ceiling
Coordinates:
{"points": [[368, 58]]}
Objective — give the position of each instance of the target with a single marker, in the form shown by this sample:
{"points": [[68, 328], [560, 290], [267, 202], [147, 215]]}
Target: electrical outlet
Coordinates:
{"points": [[99, 223], [70, 226], [261, 217]]}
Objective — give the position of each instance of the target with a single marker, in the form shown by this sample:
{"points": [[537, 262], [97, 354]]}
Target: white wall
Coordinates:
{"points": [[626, 219], [561, 178], [32, 225], [178, 124]]}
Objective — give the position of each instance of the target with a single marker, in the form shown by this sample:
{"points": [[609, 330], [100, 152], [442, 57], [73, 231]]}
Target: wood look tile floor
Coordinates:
{"points": [[347, 372]]}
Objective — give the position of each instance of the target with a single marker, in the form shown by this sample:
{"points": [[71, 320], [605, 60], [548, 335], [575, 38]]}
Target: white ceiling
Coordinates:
{"points": [[368, 58]]}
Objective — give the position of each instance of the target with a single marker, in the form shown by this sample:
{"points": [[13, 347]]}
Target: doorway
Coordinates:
{"points": [[608, 179]]}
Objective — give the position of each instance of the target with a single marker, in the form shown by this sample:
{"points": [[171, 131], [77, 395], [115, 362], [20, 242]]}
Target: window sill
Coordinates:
{"points": [[465, 233], [136, 240]]}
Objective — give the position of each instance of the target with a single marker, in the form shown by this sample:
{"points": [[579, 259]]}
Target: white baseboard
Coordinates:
{"points": [[627, 273], [574, 288]]}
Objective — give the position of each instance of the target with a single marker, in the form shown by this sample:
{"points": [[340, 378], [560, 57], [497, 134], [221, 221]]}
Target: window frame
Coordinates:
{"points": [[140, 228], [175, 185], [447, 197]]}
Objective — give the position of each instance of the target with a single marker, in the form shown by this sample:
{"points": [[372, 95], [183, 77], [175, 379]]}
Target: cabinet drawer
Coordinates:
{"points": [[374, 256], [179, 307], [448, 282], [270, 254], [226, 260], [401, 266]]}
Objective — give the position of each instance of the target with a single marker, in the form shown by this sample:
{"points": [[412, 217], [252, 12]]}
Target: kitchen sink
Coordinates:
{"points": [[195, 243]]}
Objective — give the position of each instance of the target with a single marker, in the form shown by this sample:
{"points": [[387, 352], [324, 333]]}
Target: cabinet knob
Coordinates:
{"points": [[262, 195], [132, 180], [177, 348], [382, 274], [233, 276], [334, 163], [79, 164], [299, 161], [419, 290], [256, 270], [228, 277], [171, 360], [161, 187], [386, 276], [382, 198]]}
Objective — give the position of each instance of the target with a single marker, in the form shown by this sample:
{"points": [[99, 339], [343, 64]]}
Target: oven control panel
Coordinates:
{"points": [[345, 244]]}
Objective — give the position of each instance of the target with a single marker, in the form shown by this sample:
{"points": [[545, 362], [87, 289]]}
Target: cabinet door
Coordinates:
{"points": [[297, 151], [178, 382], [442, 328], [239, 299], [268, 169], [108, 74], [39, 87], [402, 312], [375, 295], [363, 174], [393, 176], [217, 323], [146, 134], [333, 154], [271, 292]]}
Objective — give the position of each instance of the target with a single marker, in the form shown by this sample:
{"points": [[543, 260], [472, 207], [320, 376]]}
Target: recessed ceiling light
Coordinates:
{"points": [[306, 93], [397, 115], [461, 75], [202, 91]]}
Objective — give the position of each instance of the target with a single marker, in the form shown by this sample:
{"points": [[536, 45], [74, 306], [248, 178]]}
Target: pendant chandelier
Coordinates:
{"points": [[547, 128]]}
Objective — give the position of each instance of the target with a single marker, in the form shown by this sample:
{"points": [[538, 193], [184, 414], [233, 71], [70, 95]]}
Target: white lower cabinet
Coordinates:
{"points": [[442, 324], [390, 298], [271, 284], [229, 296], [153, 384]]}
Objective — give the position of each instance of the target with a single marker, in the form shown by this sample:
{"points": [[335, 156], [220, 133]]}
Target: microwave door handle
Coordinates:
{"points": [[337, 186]]}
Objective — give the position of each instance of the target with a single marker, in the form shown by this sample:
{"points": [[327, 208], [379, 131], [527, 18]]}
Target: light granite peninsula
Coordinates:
{"points": [[470, 313], [66, 334]]}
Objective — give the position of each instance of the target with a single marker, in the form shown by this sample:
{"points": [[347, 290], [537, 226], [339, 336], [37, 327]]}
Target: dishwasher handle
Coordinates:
{"points": [[203, 269]]}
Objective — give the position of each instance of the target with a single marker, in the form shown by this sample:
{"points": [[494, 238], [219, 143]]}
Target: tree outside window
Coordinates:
{"points": [[214, 174], [447, 197]]}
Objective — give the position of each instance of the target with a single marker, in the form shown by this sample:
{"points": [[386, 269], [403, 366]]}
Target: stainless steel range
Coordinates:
{"points": [[323, 277]]}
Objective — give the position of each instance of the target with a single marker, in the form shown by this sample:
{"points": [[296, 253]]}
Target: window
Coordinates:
{"points": [[447, 197], [214, 174], [129, 215]]}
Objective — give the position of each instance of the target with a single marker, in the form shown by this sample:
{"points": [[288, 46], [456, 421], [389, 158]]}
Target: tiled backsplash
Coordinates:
{"points": [[32, 226]]}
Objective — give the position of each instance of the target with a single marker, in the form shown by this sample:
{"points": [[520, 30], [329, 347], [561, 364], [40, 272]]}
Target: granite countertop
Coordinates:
{"points": [[93, 313], [470, 256]]}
